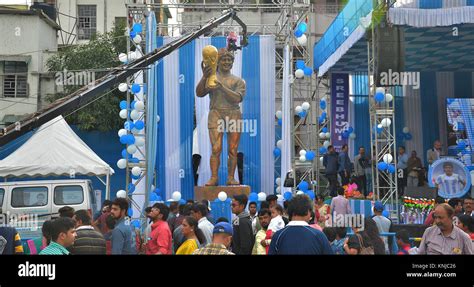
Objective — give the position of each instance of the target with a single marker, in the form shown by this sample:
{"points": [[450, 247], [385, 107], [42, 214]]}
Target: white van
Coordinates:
{"points": [[27, 204]]}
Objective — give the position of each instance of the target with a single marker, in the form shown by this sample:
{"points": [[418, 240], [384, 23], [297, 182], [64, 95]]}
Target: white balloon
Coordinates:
{"points": [[122, 132], [132, 56], [380, 90], [387, 158], [388, 98], [279, 144], [298, 109], [123, 87], [299, 73], [328, 135], [302, 152], [302, 40], [305, 106], [121, 194], [139, 106], [322, 135], [134, 115], [262, 196], [279, 197], [176, 196], [278, 181], [123, 114], [326, 144], [406, 130], [386, 122], [278, 190], [302, 158], [352, 136], [123, 57], [299, 192], [122, 163], [139, 141], [278, 114], [222, 196], [131, 149], [137, 39], [321, 159], [136, 170], [379, 126]]}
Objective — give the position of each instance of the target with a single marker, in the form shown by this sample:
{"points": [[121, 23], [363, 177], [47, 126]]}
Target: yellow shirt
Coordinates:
{"points": [[187, 247], [258, 248]]}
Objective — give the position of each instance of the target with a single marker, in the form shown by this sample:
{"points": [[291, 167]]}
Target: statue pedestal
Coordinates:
{"points": [[210, 192]]}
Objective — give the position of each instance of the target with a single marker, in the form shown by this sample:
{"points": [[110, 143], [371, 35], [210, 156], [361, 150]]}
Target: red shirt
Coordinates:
{"points": [[404, 249], [160, 239]]}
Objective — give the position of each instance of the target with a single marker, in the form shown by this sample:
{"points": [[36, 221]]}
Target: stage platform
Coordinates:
{"points": [[210, 192]]}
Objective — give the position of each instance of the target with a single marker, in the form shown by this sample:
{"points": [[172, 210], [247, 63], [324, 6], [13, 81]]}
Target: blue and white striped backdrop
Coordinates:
{"points": [[177, 77]]}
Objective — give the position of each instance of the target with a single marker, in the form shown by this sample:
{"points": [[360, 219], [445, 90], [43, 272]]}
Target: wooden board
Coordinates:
{"points": [[210, 192]]}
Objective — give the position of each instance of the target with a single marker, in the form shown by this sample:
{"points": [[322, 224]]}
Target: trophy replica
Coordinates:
{"points": [[209, 55]]}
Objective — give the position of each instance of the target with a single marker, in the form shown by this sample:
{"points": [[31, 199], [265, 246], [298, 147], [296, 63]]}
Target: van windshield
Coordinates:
{"points": [[68, 195], [29, 196]]}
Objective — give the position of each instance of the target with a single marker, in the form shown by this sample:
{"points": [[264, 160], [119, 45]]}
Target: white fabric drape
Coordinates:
{"points": [[431, 17], [172, 120], [412, 108], [286, 120], [444, 90], [267, 111]]}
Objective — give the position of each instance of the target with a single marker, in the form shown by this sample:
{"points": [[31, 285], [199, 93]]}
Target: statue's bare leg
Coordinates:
{"points": [[216, 142], [233, 139]]}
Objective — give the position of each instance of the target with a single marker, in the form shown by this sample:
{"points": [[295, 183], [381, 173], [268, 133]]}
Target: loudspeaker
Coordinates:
{"points": [[390, 53]]}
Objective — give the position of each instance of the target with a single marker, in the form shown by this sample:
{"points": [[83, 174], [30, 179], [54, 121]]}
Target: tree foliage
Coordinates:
{"points": [[100, 53]]}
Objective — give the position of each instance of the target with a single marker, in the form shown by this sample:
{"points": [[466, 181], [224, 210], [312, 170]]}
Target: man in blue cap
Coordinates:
{"points": [[221, 241], [383, 223]]}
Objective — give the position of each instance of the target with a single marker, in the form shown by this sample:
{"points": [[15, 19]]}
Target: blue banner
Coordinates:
{"points": [[339, 109]]}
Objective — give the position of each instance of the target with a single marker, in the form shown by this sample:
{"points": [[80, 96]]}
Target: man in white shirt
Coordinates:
{"points": [[383, 223], [199, 212]]}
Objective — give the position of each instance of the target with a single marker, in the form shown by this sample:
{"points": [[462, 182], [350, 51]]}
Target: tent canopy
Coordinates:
{"points": [[54, 150]]}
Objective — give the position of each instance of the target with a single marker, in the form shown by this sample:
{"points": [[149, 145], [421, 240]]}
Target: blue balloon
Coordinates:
{"points": [[139, 125], [298, 33], [130, 139], [159, 198], [379, 130], [253, 196], [386, 213], [153, 197], [132, 104], [134, 177], [135, 88], [324, 115], [322, 105], [307, 71], [311, 194], [300, 64], [128, 125], [408, 136], [350, 129], [130, 212], [136, 223], [310, 155], [323, 150], [287, 195], [132, 34], [382, 166], [123, 104], [461, 145], [276, 152], [133, 160], [137, 28], [345, 134], [302, 26], [157, 191], [182, 201], [303, 186], [280, 122], [325, 130], [302, 114], [391, 168], [131, 188], [321, 120], [123, 139], [379, 97]]}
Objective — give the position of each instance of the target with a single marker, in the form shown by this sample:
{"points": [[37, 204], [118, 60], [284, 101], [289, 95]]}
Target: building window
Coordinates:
{"points": [[15, 79], [87, 26]]}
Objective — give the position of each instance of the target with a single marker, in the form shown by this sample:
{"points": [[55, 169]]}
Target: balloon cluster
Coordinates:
{"points": [[406, 134], [302, 110], [279, 115], [306, 155], [302, 70], [349, 133], [387, 165]]}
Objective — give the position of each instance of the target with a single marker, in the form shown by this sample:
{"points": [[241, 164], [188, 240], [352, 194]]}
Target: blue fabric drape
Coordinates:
{"points": [[160, 155], [361, 110], [429, 113]]}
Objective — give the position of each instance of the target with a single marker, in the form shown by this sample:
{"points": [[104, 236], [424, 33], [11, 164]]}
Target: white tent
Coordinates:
{"points": [[55, 150]]}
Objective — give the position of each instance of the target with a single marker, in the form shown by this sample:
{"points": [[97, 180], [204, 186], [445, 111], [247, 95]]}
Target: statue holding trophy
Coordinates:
{"points": [[226, 91]]}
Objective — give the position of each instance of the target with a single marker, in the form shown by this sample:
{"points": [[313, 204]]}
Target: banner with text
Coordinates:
{"points": [[339, 109]]}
